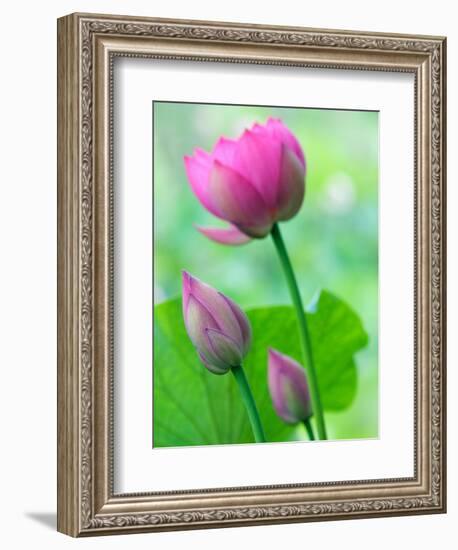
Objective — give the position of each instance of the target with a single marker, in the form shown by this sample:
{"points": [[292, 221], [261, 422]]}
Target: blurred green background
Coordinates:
{"points": [[333, 241]]}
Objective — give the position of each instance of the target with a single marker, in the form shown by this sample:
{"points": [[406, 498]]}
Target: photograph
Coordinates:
{"points": [[265, 274]]}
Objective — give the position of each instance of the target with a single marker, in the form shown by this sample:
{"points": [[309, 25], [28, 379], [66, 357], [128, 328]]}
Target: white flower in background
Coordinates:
{"points": [[339, 193]]}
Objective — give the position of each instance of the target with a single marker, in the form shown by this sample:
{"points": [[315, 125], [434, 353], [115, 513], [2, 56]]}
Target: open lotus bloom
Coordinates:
{"points": [[251, 182], [288, 388], [218, 328]]}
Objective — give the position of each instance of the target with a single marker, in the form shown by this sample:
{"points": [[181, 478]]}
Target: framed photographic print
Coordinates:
{"points": [[251, 287]]}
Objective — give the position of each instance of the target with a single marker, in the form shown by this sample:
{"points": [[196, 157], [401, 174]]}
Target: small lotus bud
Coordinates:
{"points": [[218, 328], [288, 388]]}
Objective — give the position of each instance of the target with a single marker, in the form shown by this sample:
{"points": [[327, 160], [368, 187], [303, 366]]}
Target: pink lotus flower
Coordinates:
{"points": [[251, 182], [218, 328], [288, 388]]}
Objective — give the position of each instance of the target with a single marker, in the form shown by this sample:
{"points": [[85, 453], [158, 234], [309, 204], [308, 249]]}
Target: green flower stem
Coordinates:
{"points": [[308, 427], [303, 330], [250, 404]]}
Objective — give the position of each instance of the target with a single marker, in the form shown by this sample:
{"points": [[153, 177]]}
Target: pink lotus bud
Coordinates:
{"points": [[251, 182], [288, 388], [217, 327]]}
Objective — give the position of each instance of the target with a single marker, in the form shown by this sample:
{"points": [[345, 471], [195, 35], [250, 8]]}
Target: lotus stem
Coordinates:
{"points": [[306, 344], [309, 429], [248, 400]]}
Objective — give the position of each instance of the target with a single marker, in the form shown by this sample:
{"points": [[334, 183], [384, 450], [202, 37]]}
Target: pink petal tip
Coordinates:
{"points": [[229, 236]]}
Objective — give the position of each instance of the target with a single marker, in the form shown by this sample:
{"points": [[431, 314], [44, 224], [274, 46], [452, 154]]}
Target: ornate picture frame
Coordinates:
{"points": [[87, 46]]}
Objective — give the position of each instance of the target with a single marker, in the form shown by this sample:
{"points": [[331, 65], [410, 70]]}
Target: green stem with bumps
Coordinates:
{"points": [[248, 400]]}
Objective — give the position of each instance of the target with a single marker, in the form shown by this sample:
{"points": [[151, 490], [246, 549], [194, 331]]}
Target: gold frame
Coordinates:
{"points": [[87, 45]]}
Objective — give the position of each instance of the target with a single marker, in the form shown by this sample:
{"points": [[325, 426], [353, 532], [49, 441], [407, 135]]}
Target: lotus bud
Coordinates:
{"points": [[288, 388], [218, 328], [251, 182]]}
